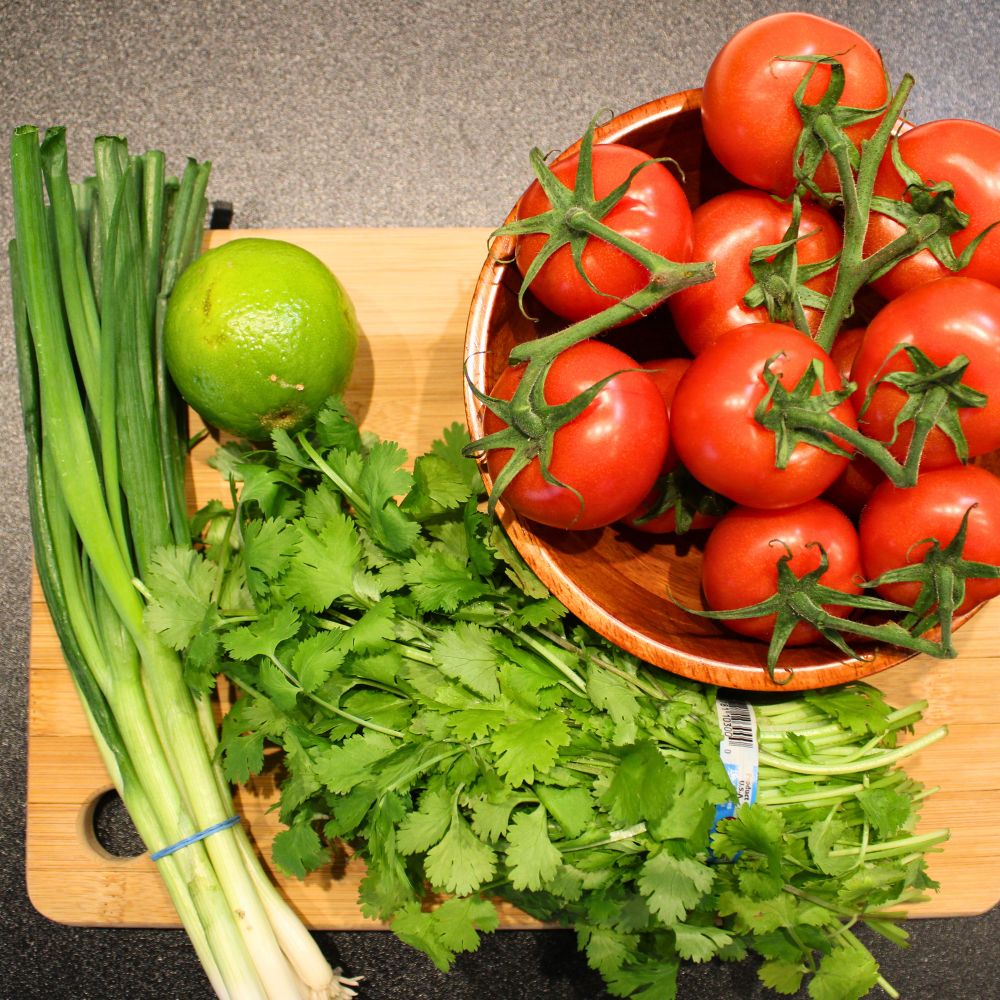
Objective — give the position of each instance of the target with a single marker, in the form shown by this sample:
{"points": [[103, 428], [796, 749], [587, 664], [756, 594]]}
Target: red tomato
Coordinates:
{"points": [[611, 453], [713, 425], [740, 565], [852, 488], [967, 155], [896, 524], [726, 229], [654, 213], [943, 318], [747, 105], [845, 350], [666, 373]]}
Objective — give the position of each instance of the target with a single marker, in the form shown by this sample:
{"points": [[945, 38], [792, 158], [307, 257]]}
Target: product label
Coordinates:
{"points": [[738, 752]]}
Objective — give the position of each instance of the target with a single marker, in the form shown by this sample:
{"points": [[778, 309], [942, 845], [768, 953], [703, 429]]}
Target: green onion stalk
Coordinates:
{"points": [[92, 266]]}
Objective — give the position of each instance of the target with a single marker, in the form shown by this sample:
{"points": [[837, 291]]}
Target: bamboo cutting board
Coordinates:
{"points": [[412, 288]]}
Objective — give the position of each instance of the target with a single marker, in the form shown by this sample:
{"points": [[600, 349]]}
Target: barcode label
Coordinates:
{"points": [[737, 722], [738, 752]]}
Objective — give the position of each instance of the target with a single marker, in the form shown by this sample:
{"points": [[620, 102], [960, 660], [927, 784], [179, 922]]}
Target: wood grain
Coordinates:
{"points": [[412, 289]]}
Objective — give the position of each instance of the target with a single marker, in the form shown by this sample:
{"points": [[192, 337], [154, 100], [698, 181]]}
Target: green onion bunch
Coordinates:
{"points": [[92, 266]]}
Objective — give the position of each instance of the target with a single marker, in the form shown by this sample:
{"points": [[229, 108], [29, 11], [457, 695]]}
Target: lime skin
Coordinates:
{"points": [[258, 334]]}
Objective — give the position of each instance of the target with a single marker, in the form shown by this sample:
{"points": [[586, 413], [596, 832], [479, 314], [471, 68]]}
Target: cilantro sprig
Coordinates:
{"points": [[438, 710]]}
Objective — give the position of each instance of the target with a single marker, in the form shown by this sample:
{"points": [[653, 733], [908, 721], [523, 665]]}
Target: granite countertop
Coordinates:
{"points": [[386, 114]]}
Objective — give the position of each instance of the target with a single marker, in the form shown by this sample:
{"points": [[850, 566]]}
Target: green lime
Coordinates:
{"points": [[258, 334]]}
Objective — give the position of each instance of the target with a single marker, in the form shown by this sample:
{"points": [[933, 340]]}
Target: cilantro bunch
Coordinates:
{"points": [[440, 713]]}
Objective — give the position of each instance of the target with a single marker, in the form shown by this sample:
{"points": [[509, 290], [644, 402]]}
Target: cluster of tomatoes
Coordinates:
{"points": [[697, 414]]}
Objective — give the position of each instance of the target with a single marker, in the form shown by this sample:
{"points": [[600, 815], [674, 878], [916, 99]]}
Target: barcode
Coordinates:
{"points": [[737, 723]]}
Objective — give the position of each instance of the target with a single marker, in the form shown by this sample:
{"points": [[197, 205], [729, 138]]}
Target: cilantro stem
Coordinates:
{"points": [[900, 846], [871, 762], [224, 549], [603, 663], [547, 654], [355, 500], [604, 839], [335, 709]]}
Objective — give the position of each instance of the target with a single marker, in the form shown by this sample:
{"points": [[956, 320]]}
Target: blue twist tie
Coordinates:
{"points": [[195, 837]]}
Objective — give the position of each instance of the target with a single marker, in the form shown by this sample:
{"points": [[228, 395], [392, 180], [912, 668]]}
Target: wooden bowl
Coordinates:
{"points": [[621, 582]]}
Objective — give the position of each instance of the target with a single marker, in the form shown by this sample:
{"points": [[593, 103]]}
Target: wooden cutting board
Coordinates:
{"points": [[411, 288]]}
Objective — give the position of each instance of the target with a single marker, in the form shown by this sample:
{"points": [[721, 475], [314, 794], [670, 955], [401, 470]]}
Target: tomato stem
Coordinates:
{"points": [[806, 599], [856, 191], [935, 395]]}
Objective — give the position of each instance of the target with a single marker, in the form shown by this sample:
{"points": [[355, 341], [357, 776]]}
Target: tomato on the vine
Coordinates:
{"points": [[967, 155], [654, 212], [610, 454], [717, 436], [740, 566], [748, 110], [945, 318], [896, 524], [727, 229]]}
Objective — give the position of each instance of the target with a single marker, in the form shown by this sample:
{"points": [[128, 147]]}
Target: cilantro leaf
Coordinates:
{"points": [[323, 565], [531, 857], [297, 850], [782, 976], [373, 629], [451, 928], [466, 654], [699, 943], [859, 708], [341, 767], [846, 973], [182, 583], [647, 979], [277, 686], [613, 695], [439, 583], [887, 810], [572, 808], [271, 489], [316, 657], [262, 637], [460, 862], [824, 835], [425, 827], [527, 748], [607, 948], [757, 916], [392, 529], [242, 755], [335, 428], [438, 486], [672, 886], [642, 786], [202, 660], [450, 448], [490, 819], [266, 550]]}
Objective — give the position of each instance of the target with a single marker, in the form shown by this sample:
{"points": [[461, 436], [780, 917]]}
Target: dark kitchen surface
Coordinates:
{"points": [[386, 114]]}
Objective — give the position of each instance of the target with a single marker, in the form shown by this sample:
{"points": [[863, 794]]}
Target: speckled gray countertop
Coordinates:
{"points": [[375, 114]]}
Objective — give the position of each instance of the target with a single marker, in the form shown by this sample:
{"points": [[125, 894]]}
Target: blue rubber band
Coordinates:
{"points": [[195, 837]]}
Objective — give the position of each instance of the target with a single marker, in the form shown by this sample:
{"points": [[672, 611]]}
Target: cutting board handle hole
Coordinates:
{"points": [[107, 827]]}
